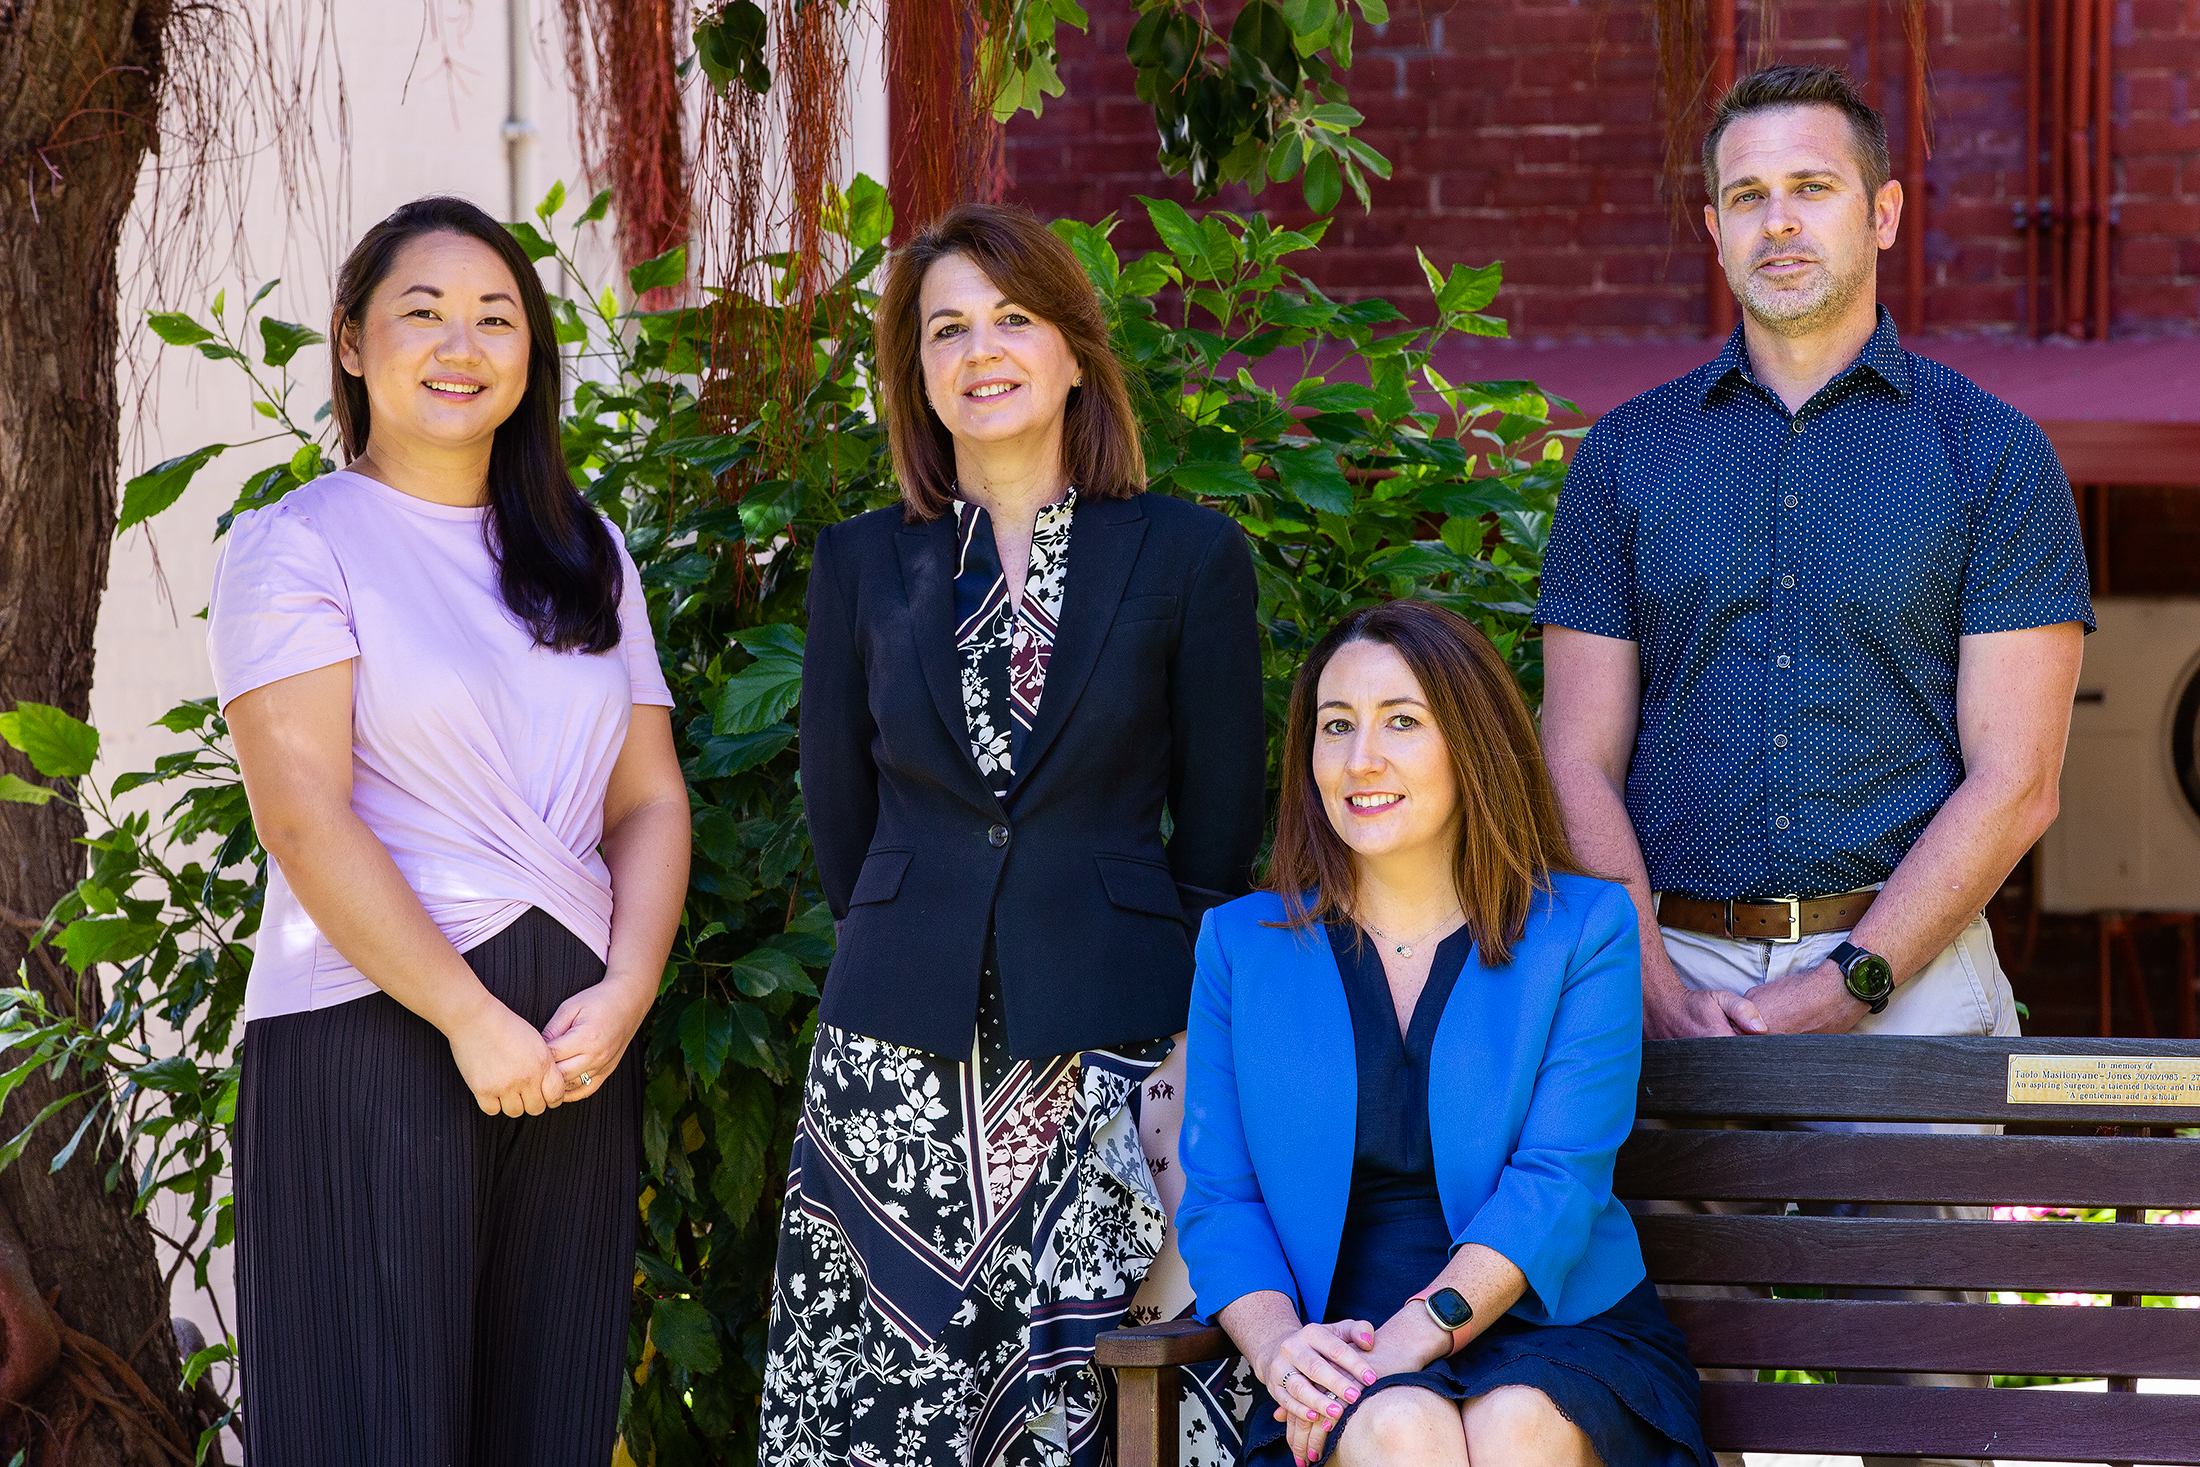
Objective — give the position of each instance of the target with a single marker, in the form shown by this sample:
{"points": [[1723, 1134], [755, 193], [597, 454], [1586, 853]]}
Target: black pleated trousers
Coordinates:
{"points": [[419, 1283]]}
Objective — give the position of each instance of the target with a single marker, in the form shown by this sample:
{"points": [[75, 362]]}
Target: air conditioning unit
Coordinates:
{"points": [[2128, 837]]}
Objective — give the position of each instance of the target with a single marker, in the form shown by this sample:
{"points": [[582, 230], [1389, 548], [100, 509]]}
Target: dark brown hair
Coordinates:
{"points": [[557, 569], [1510, 836], [1024, 259], [1802, 86]]}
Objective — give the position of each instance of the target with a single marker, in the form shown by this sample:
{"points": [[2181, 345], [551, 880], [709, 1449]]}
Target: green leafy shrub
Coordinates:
{"points": [[1372, 479]]}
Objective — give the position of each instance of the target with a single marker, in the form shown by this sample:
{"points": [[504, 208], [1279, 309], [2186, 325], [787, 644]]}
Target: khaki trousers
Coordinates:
{"points": [[1962, 991]]}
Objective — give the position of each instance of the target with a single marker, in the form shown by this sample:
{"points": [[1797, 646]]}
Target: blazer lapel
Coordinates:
{"points": [[1104, 539], [1299, 1094], [928, 578]]}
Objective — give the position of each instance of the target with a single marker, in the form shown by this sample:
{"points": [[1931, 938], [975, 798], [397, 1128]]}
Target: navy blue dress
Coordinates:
{"points": [[1623, 1376]]}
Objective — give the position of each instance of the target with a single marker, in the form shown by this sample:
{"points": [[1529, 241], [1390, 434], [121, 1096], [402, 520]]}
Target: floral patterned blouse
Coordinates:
{"points": [[1005, 648]]}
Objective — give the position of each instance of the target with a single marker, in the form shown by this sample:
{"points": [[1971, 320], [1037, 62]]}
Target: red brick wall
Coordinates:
{"points": [[1530, 132]]}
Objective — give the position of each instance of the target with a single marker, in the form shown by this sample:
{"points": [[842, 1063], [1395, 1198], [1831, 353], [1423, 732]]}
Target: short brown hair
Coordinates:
{"points": [[1101, 453], [1802, 86], [1511, 838]]}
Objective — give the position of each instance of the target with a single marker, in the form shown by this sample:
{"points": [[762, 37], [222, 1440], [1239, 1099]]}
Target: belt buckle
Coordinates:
{"points": [[1795, 919]]}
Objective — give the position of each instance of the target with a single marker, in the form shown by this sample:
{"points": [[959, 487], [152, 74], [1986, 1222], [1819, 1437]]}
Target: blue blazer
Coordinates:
{"points": [[1531, 1091]]}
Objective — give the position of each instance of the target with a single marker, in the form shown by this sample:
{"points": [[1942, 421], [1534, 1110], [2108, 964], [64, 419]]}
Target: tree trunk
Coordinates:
{"points": [[79, 91]]}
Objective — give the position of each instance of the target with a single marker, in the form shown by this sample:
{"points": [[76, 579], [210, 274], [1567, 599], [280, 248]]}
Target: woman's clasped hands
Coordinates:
{"points": [[514, 1069], [1319, 1369]]}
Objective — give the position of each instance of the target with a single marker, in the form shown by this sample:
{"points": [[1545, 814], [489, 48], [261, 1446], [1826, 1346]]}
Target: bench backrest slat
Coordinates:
{"points": [[1879, 1078], [1884, 1253], [1816, 1166], [2037, 1426], [1976, 1339]]}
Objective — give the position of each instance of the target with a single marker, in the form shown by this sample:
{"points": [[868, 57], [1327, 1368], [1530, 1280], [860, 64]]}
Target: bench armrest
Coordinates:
{"points": [[1167, 1342]]}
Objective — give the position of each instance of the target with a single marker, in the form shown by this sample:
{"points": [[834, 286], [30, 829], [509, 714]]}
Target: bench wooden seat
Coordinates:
{"points": [[1710, 1092]]}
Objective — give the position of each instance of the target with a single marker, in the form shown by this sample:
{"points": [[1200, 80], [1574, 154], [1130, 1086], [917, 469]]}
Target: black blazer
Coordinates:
{"points": [[1152, 699]]}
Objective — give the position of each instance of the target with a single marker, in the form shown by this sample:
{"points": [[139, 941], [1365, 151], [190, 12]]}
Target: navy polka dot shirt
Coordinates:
{"points": [[1796, 586]]}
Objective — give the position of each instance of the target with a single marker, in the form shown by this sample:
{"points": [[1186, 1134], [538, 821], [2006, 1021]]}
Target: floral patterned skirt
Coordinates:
{"points": [[955, 1236]]}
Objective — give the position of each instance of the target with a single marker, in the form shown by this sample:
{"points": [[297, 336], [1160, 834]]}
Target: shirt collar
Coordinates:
{"points": [[1883, 355]]}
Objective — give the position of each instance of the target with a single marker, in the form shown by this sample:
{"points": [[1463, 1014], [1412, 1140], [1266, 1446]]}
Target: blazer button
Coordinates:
{"points": [[997, 836]]}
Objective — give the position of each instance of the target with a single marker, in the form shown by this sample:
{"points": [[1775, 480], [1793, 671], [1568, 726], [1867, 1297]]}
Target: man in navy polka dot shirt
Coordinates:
{"points": [[1812, 624], [1812, 621]]}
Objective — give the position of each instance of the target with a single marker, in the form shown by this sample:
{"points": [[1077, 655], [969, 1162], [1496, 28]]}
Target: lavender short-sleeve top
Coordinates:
{"points": [[479, 758]]}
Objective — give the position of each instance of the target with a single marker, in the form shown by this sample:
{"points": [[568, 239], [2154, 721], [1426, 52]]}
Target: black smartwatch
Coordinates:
{"points": [[1868, 976], [1450, 1311]]}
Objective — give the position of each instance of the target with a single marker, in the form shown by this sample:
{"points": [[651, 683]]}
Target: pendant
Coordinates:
{"points": [[1403, 951]]}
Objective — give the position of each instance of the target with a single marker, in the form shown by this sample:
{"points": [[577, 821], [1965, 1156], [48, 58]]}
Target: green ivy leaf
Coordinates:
{"points": [[16, 791], [162, 485], [730, 48], [58, 746], [685, 1334], [669, 268], [551, 201], [757, 696], [598, 207], [282, 340]]}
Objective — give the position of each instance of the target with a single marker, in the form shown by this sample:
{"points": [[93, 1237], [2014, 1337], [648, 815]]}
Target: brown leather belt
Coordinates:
{"points": [[1766, 919]]}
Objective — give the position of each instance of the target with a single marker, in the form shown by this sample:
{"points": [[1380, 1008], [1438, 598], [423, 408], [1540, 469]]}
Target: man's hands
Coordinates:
{"points": [[1815, 1001], [504, 1061], [1672, 1010]]}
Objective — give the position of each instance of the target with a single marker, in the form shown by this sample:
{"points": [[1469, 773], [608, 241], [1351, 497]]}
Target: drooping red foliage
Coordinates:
{"points": [[620, 55], [944, 147]]}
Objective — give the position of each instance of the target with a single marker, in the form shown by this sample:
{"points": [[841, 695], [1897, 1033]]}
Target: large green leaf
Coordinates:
{"points": [[1312, 477], [92, 940], [16, 791], [58, 746], [706, 1037], [284, 339], [685, 1334], [162, 485], [531, 240], [669, 268]]}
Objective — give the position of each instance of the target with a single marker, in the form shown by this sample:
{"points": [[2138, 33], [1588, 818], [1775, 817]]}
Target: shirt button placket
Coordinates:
{"points": [[1787, 532]]}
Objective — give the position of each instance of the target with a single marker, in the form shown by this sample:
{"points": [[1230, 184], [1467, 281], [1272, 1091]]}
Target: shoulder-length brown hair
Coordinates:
{"points": [[1101, 453], [1510, 836]]}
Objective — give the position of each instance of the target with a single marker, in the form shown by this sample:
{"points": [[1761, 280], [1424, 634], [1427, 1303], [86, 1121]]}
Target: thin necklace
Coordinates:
{"points": [[1405, 949]]}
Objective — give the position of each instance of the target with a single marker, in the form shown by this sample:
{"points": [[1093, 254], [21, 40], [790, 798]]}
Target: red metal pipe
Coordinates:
{"points": [[2031, 208], [1913, 202], [2078, 269], [2103, 183], [1721, 314], [2058, 177]]}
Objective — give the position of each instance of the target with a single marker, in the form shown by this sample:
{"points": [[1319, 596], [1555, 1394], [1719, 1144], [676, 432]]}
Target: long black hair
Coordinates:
{"points": [[556, 566]]}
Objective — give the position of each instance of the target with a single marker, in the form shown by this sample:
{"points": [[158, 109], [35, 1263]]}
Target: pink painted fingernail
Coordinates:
{"points": [[1312, 1417], [1351, 1394], [1334, 1410], [1367, 1377]]}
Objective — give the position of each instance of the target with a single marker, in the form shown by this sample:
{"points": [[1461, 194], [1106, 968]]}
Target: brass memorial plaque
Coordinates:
{"points": [[2100, 1079]]}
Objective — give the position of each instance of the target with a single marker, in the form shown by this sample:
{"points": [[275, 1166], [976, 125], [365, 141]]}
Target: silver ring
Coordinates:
{"points": [[1285, 1384], [584, 1080]]}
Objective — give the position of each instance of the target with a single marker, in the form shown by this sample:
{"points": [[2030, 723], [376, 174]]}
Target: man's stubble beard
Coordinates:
{"points": [[1801, 312]]}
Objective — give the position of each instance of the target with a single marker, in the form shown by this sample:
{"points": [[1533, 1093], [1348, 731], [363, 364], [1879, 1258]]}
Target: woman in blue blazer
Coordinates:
{"points": [[1411, 1063]]}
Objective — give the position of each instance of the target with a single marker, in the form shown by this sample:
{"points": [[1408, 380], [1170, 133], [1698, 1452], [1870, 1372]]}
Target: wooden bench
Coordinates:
{"points": [[1709, 1092]]}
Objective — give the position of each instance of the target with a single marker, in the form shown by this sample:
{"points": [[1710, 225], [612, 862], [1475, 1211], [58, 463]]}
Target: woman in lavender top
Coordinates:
{"points": [[437, 667]]}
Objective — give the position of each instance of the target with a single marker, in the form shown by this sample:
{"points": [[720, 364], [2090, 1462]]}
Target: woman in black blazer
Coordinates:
{"points": [[1032, 757]]}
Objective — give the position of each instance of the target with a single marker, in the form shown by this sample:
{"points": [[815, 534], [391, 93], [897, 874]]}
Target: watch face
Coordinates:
{"points": [[1450, 1307], [1870, 977]]}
